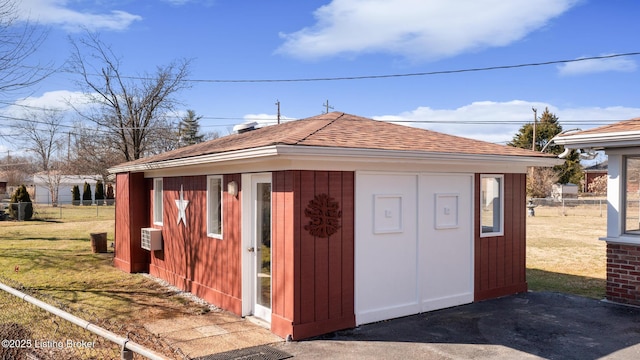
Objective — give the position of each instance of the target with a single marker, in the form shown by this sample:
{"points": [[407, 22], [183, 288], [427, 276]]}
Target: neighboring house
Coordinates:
{"points": [[593, 172], [621, 142], [66, 182], [3, 188], [329, 222]]}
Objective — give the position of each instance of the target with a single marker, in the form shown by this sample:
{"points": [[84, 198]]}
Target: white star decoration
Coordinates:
{"points": [[182, 207]]}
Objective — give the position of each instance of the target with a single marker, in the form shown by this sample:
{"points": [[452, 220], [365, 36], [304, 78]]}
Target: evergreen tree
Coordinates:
{"points": [[21, 195], [546, 128], [189, 129], [99, 193], [75, 195], [110, 194], [86, 194]]}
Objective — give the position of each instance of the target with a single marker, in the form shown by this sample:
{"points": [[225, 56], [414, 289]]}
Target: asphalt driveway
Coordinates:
{"points": [[525, 326]]}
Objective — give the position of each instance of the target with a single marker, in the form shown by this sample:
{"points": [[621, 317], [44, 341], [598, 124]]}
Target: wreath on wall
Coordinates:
{"points": [[324, 216]]}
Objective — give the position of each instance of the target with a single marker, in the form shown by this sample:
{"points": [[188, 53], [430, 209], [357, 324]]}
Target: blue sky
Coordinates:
{"points": [[278, 39]]}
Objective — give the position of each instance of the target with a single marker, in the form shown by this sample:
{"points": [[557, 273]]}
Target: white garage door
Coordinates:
{"points": [[414, 244]]}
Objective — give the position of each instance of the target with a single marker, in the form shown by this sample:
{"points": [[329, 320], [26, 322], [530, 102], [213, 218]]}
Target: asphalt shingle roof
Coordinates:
{"points": [[342, 130], [622, 126]]}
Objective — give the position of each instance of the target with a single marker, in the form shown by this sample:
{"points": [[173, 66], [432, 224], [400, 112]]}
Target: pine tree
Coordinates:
{"points": [[75, 195], [99, 193], [189, 129], [20, 196], [110, 195], [86, 194], [547, 127]]}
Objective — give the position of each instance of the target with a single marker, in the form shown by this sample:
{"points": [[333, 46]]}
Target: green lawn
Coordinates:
{"points": [[564, 253], [56, 259]]}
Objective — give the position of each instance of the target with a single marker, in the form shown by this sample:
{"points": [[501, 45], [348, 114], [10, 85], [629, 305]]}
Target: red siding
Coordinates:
{"points": [[313, 277], [130, 218], [205, 266], [500, 261]]}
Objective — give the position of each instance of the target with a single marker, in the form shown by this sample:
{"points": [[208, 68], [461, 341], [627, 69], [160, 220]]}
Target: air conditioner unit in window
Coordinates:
{"points": [[151, 239]]}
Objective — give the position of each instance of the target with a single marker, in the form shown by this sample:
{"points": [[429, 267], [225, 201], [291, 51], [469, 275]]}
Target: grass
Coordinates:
{"points": [[563, 250], [56, 259]]}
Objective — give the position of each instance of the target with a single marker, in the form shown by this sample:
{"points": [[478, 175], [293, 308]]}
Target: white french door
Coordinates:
{"points": [[257, 241]]}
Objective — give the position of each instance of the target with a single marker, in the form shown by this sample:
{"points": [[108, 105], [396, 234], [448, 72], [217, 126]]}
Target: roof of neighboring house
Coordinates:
{"points": [[338, 130], [600, 167], [622, 126], [621, 134], [41, 178]]}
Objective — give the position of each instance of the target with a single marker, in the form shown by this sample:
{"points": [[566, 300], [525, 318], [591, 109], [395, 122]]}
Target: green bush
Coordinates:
{"points": [[75, 195], [99, 193], [110, 195], [21, 196], [86, 194]]}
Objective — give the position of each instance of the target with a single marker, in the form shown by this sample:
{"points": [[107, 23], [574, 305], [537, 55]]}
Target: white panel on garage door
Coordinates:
{"points": [[386, 235], [445, 240]]}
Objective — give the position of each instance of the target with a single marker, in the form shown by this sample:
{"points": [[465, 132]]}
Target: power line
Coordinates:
{"points": [[428, 73], [383, 76]]}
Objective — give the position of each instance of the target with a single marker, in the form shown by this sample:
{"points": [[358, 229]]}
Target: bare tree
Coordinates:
{"points": [[540, 182], [16, 169], [131, 109], [40, 133], [18, 43], [598, 185], [92, 152]]}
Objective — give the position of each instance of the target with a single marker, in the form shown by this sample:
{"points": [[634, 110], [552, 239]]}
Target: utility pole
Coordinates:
{"points": [[327, 107], [535, 121], [278, 104]]}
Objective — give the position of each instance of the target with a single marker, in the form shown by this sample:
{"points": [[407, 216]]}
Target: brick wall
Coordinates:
{"points": [[623, 273]]}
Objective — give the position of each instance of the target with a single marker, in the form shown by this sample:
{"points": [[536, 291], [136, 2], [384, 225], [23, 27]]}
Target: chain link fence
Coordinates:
{"points": [[35, 326], [59, 212], [587, 206]]}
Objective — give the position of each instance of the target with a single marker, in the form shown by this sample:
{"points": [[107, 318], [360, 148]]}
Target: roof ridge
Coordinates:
{"points": [[319, 129]]}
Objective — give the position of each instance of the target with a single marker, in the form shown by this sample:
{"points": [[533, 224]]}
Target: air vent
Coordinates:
{"points": [[242, 128], [151, 239]]}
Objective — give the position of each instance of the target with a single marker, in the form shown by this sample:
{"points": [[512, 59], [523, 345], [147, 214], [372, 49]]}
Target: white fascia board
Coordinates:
{"points": [[197, 160], [601, 140], [315, 153], [412, 156]]}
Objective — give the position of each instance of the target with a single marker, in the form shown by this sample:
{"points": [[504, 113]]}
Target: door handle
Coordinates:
{"points": [[251, 249]]}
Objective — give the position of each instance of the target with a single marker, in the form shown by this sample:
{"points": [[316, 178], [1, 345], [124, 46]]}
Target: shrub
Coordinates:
{"points": [[21, 196], [75, 195], [99, 193], [110, 195], [86, 194]]}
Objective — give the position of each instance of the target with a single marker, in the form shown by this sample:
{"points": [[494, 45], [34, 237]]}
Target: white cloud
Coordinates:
{"points": [[60, 100], [419, 29], [597, 66], [499, 121], [57, 12]]}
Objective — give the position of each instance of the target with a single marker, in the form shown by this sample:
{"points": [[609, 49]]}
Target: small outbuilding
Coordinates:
{"points": [[64, 183], [329, 222], [621, 143]]}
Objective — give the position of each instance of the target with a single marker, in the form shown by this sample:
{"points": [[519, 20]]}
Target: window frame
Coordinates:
{"points": [[158, 206], [624, 196], [210, 222], [501, 194]]}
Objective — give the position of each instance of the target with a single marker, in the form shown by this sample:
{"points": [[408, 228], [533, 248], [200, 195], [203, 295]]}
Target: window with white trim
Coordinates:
{"points": [[214, 206], [491, 205], [157, 201], [631, 193]]}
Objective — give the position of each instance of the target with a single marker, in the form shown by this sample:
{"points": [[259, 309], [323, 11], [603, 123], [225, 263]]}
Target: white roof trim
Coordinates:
{"points": [[600, 140], [346, 154]]}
